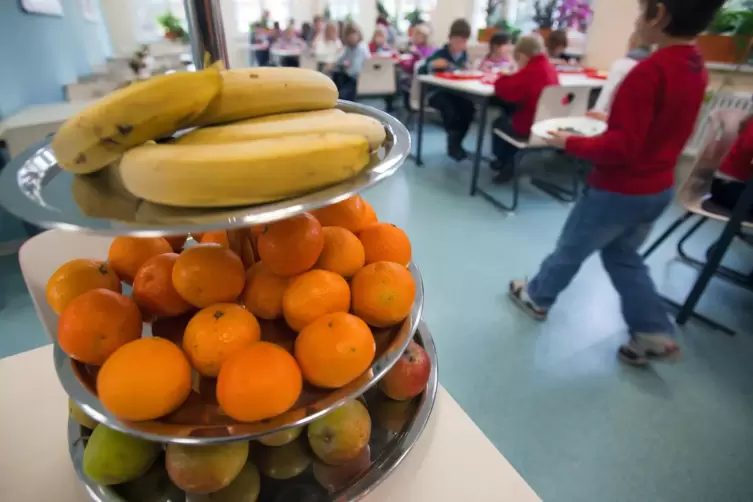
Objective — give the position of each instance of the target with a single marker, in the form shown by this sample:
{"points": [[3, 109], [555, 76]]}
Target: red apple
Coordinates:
{"points": [[409, 375]]}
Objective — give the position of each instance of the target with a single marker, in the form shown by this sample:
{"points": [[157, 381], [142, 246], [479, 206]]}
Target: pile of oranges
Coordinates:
{"points": [[330, 275]]}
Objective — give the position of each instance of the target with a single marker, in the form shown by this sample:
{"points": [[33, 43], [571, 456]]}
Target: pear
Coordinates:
{"points": [[154, 486], [80, 415], [244, 488], [111, 457], [284, 462], [338, 437], [281, 438], [205, 468]]}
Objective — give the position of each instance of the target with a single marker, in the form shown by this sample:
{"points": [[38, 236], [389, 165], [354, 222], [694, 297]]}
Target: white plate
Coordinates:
{"points": [[468, 73], [585, 126]]}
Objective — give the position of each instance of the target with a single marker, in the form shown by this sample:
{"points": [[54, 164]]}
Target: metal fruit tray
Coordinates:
{"points": [[396, 427], [199, 419], [34, 188]]}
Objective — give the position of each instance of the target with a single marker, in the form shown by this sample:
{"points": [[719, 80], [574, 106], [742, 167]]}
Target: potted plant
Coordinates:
{"points": [[544, 16], [173, 27], [413, 17], [574, 14], [492, 15], [728, 37], [484, 35]]}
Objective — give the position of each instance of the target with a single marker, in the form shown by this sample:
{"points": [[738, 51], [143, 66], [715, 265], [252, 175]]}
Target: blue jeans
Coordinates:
{"points": [[615, 225]]}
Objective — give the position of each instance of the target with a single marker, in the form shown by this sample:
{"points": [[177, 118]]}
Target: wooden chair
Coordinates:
{"points": [[720, 131], [555, 102]]}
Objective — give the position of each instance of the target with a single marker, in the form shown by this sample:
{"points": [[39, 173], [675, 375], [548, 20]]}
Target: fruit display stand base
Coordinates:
{"points": [[396, 426], [35, 189]]}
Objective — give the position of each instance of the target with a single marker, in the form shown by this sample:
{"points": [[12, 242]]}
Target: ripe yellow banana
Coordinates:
{"points": [[290, 124], [242, 173], [130, 116], [253, 92]]}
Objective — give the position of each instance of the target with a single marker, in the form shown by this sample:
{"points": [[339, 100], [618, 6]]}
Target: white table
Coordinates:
{"points": [[452, 460], [23, 129], [480, 94], [278, 55]]}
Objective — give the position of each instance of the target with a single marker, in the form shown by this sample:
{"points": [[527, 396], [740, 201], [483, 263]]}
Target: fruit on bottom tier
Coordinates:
{"points": [[283, 462], [75, 278], [339, 437], [80, 415], [244, 488], [112, 457], [281, 438], [408, 377], [337, 477], [205, 468]]}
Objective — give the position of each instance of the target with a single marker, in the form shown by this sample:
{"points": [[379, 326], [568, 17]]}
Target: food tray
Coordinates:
{"points": [[199, 420], [34, 188], [388, 448]]}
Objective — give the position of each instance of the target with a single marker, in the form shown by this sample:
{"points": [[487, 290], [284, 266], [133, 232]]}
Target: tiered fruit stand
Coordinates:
{"points": [[34, 188]]}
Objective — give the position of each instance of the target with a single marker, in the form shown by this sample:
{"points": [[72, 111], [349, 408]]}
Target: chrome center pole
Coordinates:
{"points": [[206, 32]]}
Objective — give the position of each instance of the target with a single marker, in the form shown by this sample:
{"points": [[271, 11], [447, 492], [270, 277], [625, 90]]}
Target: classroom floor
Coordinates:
{"points": [[578, 425]]}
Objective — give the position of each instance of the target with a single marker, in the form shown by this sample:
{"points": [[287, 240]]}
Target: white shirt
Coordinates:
{"points": [[327, 51], [617, 74]]}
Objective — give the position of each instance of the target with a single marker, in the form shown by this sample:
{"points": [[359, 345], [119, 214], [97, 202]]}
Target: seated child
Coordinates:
{"points": [[327, 46], [499, 56], [261, 42], [521, 92], [556, 45], [419, 48], [632, 181], [456, 111], [736, 170], [378, 45], [350, 63], [289, 41]]}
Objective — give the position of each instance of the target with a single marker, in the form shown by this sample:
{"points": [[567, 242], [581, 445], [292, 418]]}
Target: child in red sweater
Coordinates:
{"points": [[653, 114], [736, 170], [519, 94]]}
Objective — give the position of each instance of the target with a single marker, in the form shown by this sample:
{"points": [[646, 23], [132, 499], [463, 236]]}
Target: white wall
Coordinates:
{"points": [[445, 13], [610, 30], [119, 15]]}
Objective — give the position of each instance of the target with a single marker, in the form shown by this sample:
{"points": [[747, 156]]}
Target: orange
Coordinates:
{"points": [[334, 350], [217, 332], [217, 237], [127, 254], [176, 241], [342, 254], [144, 380], [262, 295], [350, 213], [383, 293], [258, 382], [370, 216], [96, 324], [385, 242], [312, 295], [153, 287], [77, 277], [197, 236], [291, 246], [208, 274]]}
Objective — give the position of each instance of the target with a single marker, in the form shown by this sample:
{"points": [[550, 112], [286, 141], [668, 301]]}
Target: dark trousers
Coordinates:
{"points": [[262, 57], [291, 61], [502, 150], [457, 114], [346, 85], [726, 193]]}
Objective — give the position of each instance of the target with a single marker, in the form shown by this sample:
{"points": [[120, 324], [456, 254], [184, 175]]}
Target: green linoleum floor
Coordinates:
{"points": [[552, 397]]}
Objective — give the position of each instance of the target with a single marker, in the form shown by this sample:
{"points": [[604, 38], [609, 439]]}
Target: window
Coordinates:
{"points": [[248, 12], [425, 7], [147, 28], [342, 10]]}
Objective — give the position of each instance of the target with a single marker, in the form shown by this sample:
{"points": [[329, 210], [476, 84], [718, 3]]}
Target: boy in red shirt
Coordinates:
{"points": [[736, 170], [520, 93], [652, 117]]}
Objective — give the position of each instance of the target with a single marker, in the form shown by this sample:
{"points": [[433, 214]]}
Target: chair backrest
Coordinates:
{"points": [[558, 101], [719, 101], [720, 131], [378, 77], [308, 60]]}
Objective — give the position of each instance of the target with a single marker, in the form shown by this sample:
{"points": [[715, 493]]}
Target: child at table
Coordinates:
{"points": [[631, 183], [349, 64], [556, 45], [736, 170], [327, 47], [499, 56], [520, 93], [261, 44], [419, 48], [456, 111], [378, 45], [289, 41]]}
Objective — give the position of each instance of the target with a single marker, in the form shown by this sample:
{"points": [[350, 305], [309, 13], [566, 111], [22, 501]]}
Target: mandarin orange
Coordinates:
{"points": [[334, 350], [262, 295], [127, 254], [312, 295], [258, 382], [208, 274], [292, 246], [350, 214], [75, 278], [216, 237], [385, 242], [153, 288], [342, 254], [177, 241], [383, 293]]}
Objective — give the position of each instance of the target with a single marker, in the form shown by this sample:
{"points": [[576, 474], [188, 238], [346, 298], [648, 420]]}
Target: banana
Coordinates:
{"points": [[147, 110], [242, 173], [290, 124], [253, 92]]}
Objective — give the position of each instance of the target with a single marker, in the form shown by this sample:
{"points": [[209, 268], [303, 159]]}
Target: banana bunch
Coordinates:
{"points": [[263, 134]]}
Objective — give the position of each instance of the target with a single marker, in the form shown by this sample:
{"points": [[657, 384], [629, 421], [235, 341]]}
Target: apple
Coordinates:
{"points": [[409, 375]]}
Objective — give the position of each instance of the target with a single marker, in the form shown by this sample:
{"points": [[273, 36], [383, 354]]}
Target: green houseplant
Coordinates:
{"points": [[173, 27], [728, 37]]}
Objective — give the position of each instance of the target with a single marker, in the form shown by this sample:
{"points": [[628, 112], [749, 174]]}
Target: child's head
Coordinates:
{"points": [[526, 48], [289, 33], [460, 32], [660, 20], [258, 28], [379, 38], [499, 45], [420, 35], [319, 24], [352, 35], [556, 43], [331, 32]]}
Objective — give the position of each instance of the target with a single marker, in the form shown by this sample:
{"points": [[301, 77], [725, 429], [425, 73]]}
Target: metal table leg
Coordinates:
{"points": [[420, 132], [479, 146]]}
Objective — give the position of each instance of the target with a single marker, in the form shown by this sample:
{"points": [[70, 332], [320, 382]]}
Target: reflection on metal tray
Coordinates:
{"points": [[35, 189], [395, 429], [200, 420]]}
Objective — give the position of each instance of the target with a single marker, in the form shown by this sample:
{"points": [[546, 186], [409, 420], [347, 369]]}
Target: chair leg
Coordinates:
{"points": [[681, 243], [515, 188], [663, 237]]}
